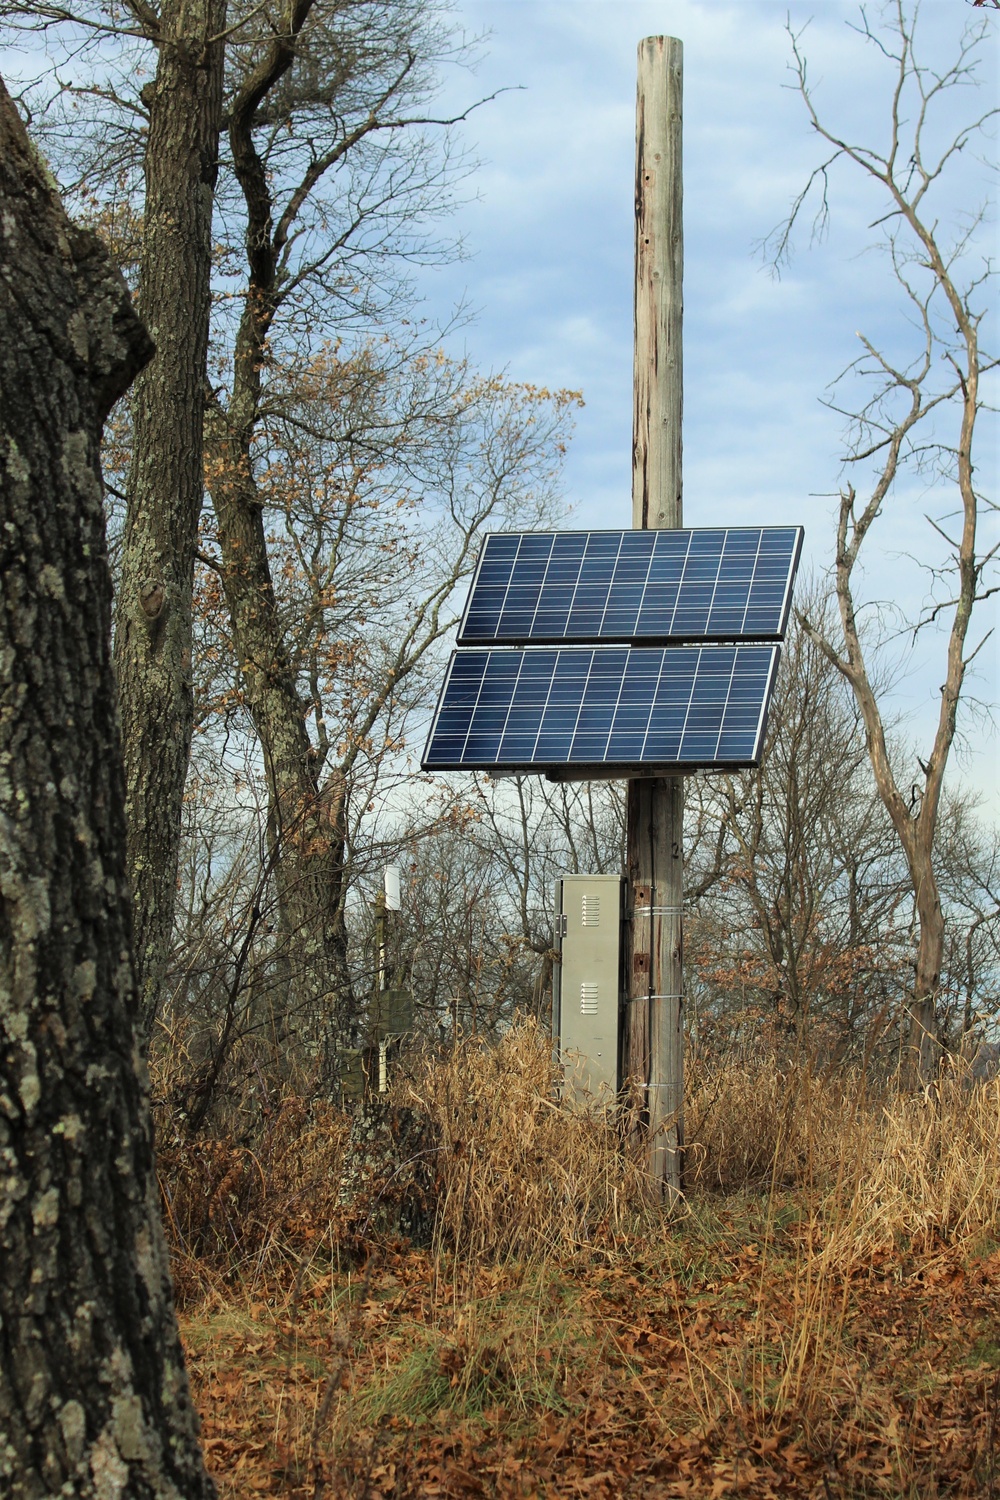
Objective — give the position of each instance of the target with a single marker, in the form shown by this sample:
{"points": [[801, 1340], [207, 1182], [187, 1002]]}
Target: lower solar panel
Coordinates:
{"points": [[603, 711]]}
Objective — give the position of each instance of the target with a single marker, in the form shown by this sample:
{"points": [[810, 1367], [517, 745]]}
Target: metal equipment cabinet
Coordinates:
{"points": [[587, 983]]}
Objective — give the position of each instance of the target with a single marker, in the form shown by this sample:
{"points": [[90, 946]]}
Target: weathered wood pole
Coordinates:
{"points": [[654, 1037]]}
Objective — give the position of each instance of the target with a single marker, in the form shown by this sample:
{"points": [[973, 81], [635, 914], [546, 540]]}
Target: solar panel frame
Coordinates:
{"points": [[599, 712], [616, 587]]}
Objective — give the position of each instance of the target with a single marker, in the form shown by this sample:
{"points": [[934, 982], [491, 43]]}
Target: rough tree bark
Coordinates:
{"points": [[153, 629], [307, 824], [306, 818], [307, 805], [93, 1395]]}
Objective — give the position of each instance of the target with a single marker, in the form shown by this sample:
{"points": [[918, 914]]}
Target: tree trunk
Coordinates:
{"points": [[307, 821], [153, 618], [922, 1039], [94, 1400]]}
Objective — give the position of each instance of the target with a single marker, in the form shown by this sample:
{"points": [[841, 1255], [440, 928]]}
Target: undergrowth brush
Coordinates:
{"points": [[817, 1315]]}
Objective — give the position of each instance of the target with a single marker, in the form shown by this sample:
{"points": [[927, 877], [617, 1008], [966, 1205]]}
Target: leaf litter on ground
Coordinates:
{"points": [[622, 1376]]}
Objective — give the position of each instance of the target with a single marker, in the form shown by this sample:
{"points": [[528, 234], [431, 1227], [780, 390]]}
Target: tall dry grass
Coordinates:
{"points": [[546, 1243], [885, 1166], [923, 1169], [518, 1172], [514, 1172], [751, 1123]]}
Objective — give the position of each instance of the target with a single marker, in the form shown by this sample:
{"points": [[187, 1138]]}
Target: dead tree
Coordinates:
{"points": [[919, 414]]}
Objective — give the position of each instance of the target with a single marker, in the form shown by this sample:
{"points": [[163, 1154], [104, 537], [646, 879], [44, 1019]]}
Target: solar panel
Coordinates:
{"points": [[711, 583], [604, 710]]}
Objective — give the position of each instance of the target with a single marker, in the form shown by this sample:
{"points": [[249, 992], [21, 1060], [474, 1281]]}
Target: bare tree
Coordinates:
{"points": [[800, 921], [921, 413], [374, 476], [319, 191], [93, 1395], [333, 88], [164, 488]]}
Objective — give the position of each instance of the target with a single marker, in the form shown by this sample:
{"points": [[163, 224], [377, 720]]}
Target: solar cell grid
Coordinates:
{"points": [[601, 708], [709, 583]]}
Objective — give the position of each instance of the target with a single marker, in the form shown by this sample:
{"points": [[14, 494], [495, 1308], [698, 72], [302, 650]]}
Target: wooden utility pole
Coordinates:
{"points": [[654, 1037]]}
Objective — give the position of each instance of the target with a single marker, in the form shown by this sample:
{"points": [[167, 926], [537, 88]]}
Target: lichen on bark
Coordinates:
{"points": [[93, 1396]]}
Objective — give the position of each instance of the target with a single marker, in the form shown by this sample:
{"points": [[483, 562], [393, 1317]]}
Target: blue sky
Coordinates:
{"points": [[548, 233], [549, 273]]}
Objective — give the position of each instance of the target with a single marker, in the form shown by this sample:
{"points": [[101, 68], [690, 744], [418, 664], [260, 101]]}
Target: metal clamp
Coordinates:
{"points": [[659, 911]]}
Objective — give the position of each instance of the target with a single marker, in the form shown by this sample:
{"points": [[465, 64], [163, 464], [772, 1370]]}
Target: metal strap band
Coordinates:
{"points": [[659, 911], [635, 999]]}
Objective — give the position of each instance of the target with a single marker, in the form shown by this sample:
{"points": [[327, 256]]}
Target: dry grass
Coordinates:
{"points": [[885, 1168], [925, 1170], [753, 1124], [818, 1318], [515, 1174], [519, 1175], [235, 1214]]}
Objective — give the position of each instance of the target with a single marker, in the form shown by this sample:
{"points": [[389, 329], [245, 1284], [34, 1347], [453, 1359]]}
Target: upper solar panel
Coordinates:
{"points": [[711, 583], [603, 711]]}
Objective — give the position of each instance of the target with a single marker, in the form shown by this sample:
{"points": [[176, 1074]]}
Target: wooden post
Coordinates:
{"points": [[654, 1038]]}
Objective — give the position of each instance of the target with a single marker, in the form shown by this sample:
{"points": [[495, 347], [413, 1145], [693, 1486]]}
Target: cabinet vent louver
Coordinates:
{"points": [[590, 915], [588, 999]]}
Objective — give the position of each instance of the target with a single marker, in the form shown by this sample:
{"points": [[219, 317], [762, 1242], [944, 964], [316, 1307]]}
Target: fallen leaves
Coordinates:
{"points": [[657, 1375]]}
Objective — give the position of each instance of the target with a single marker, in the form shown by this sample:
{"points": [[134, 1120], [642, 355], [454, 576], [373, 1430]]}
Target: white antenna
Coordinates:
{"points": [[392, 894]]}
